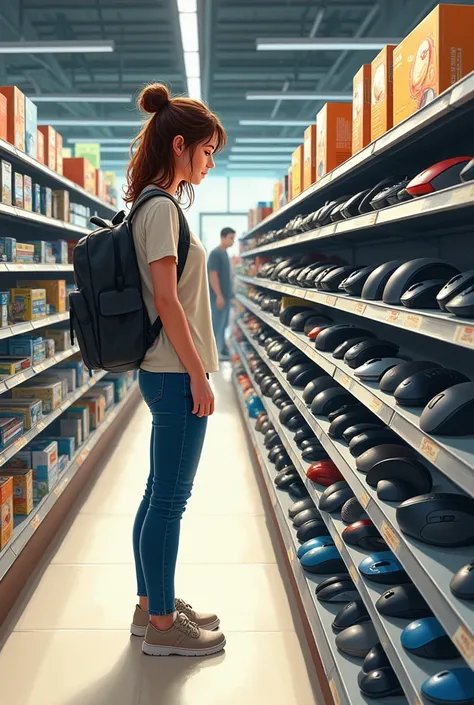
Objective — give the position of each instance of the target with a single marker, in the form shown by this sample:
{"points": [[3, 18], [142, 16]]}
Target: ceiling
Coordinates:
{"points": [[148, 48]]}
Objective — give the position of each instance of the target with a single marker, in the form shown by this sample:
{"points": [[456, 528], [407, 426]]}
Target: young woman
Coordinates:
{"points": [[174, 151]]}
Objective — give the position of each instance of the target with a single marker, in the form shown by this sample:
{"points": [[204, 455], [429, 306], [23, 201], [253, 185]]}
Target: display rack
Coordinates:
{"points": [[25, 217]]}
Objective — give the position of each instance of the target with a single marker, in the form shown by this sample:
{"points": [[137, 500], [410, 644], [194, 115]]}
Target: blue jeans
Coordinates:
{"points": [[220, 321], [177, 438]]}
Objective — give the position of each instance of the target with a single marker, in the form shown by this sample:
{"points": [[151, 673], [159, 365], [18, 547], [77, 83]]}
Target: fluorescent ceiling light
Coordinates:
{"points": [[257, 167], [194, 88], [57, 47], [117, 149], [100, 140], [267, 140], [80, 98], [90, 122], [187, 6], [324, 44], [188, 23], [271, 95], [189, 31], [114, 162], [191, 64], [259, 158], [265, 150], [275, 123]]}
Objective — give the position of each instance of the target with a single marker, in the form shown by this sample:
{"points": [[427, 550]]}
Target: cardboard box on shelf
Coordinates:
{"points": [[55, 292], [40, 146], [25, 252], [99, 184], [49, 135], [81, 171], [81, 412], [61, 205], [3, 117], [7, 182], [381, 109], [27, 193], [290, 183], [31, 128], [15, 116], [46, 201], [45, 470], [27, 304], [30, 411], [361, 108], [59, 153], [18, 194], [36, 198], [61, 337], [309, 154], [50, 395], [71, 428], [334, 136], [22, 480], [276, 196], [297, 168], [6, 510], [435, 55]]}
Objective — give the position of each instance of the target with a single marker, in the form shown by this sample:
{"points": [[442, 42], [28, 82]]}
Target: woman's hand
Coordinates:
{"points": [[203, 397]]}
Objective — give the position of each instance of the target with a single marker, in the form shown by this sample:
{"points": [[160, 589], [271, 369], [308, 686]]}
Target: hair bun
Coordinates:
{"points": [[153, 98]]}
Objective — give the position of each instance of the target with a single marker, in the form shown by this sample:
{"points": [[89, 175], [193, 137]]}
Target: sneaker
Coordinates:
{"points": [[184, 638], [203, 620]]}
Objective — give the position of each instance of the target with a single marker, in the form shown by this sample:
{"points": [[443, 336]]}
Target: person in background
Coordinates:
{"points": [[221, 289]]}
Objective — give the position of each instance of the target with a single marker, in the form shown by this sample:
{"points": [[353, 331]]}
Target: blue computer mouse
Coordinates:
{"points": [[454, 687], [427, 638], [383, 567], [314, 543], [324, 559]]}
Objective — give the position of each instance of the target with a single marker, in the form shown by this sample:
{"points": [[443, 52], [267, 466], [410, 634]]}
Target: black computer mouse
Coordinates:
{"points": [[298, 490], [284, 478], [369, 439], [450, 413], [439, 519], [365, 535], [368, 350], [375, 283], [298, 322], [423, 294], [341, 349], [462, 305], [450, 687], [311, 529], [314, 452], [279, 350], [300, 279], [354, 612], [389, 196], [266, 426], [309, 282], [381, 683], [462, 582], [426, 638], [383, 567], [332, 280], [358, 416], [274, 388], [271, 439], [375, 659], [374, 369], [266, 383], [282, 461], [456, 285], [412, 272], [300, 506], [354, 283], [283, 264], [366, 203], [346, 408], [287, 413], [352, 511], [318, 385], [411, 473], [329, 268], [336, 213], [329, 400], [350, 208], [370, 458], [274, 452], [398, 374], [292, 277], [302, 434], [357, 640], [342, 590], [334, 496], [291, 358], [281, 399], [299, 375], [306, 515], [404, 602], [287, 314], [323, 559], [324, 215], [357, 428], [283, 275], [329, 338], [421, 387]]}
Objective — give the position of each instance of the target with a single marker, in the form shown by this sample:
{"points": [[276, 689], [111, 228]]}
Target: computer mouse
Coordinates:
{"points": [[352, 511], [380, 683], [266, 426], [392, 490], [310, 280], [271, 439], [282, 462], [456, 285], [314, 332], [370, 458], [306, 515], [439, 519], [438, 176], [303, 434], [323, 273], [373, 370], [291, 358], [375, 659], [450, 687], [324, 559], [383, 567], [331, 337], [462, 305], [283, 264], [311, 530], [366, 203], [412, 272], [287, 313], [314, 543], [284, 478], [279, 350], [423, 294], [354, 283], [403, 602], [297, 490], [375, 283], [353, 431], [324, 215], [307, 442], [365, 535], [329, 400], [336, 213], [318, 385], [274, 452], [281, 399], [287, 413], [354, 612], [283, 275], [400, 372], [314, 452], [350, 208], [299, 375], [368, 350], [342, 590], [312, 323], [421, 387], [346, 408], [450, 413], [292, 277], [266, 383], [388, 196], [305, 272], [356, 417], [332, 280], [426, 638], [410, 472], [462, 582], [357, 640], [335, 496], [324, 472], [298, 322], [369, 439], [274, 388], [341, 349], [300, 506]]}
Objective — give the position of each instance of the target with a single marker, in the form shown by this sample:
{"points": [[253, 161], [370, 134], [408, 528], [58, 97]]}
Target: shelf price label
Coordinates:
{"points": [[330, 300], [344, 380], [429, 449], [464, 641], [464, 335], [354, 574], [392, 316], [35, 522], [291, 555], [338, 542], [375, 404], [413, 321], [364, 499], [390, 536]]}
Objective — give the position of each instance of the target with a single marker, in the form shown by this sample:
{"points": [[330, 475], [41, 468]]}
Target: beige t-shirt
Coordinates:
{"points": [[156, 235]]}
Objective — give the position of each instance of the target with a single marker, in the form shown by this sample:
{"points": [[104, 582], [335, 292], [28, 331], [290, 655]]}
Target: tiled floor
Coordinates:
{"points": [[70, 644]]}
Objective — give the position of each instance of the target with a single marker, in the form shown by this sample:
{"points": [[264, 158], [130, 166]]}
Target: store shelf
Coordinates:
{"points": [[25, 527], [13, 381], [14, 267], [434, 324], [430, 568], [29, 326], [41, 220]]}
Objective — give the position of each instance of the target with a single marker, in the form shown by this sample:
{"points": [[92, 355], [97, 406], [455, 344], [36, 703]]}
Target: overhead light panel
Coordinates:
{"points": [[274, 123], [116, 150], [191, 64], [188, 24], [264, 150], [80, 98], [258, 158], [89, 122], [187, 6], [271, 95], [324, 44], [267, 140], [58, 47], [189, 31], [100, 140]]}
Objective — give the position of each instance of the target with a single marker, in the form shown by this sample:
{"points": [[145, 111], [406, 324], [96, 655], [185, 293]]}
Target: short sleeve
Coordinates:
{"points": [[213, 263], [161, 229]]}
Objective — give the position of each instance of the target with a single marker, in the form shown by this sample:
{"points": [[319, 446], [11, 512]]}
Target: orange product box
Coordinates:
{"points": [[59, 153], [81, 171], [435, 55], [6, 510], [3, 117], [361, 108], [309, 153], [334, 136], [55, 291], [99, 184], [15, 116], [276, 195], [381, 109], [290, 183], [49, 135], [297, 166], [40, 146]]}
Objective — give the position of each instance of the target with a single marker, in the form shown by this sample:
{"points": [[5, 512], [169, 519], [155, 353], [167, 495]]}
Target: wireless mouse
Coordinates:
{"points": [[410, 472], [283, 264], [342, 590], [312, 276], [329, 400], [322, 274], [427, 638], [333, 579], [306, 442], [421, 387], [297, 490], [306, 515], [277, 352], [380, 683], [375, 659], [383, 567], [341, 349], [359, 415], [324, 215], [350, 208], [275, 452], [271, 438], [375, 283], [367, 460], [314, 543], [352, 511], [462, 582], [312, 323], [462, 305], [313, 334], [423, 294], [412, 272], [311, 530], [303, 434], [332, 280], [453, 287], [317, 385], [336, 213], [389, 196], [314, 452], [287, 314], [300, 506], [346, 408], [331, 337], [354, 283], [369, 439], [324, 559], [283, 276], [368, 350], [284, 479], [353, 431], [324, 472], [400, 372], [450, 413], [439, 519], [365, 535], [335, 496], [300, 279], [357, 640], [298, 322], [366, 202], [438, 176], [283, 462], [450, 687], [281, 400], [288, 413], [299, 375], [373, 370], [354, 612], [292, 277], [404, 602], [266, 383], [291, 358]]}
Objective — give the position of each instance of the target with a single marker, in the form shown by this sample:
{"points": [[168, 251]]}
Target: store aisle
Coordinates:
{"points": [[70, 644]]}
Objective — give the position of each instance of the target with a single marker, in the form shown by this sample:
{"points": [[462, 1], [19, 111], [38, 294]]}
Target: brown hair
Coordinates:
{"points": [[151, 152]]}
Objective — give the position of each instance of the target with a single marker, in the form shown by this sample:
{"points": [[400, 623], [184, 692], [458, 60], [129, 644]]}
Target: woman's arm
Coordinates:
{"points": [[175, 323]]}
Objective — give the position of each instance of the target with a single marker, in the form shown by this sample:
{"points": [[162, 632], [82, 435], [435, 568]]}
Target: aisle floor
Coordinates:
{"points": [[69, 643]]}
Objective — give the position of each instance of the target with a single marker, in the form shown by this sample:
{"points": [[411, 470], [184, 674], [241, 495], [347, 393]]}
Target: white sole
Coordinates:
{"points": [[154, 650], [140, 632]]}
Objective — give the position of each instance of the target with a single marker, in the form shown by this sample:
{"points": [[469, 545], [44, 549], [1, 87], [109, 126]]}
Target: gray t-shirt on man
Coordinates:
{"points": [[219, 262]]}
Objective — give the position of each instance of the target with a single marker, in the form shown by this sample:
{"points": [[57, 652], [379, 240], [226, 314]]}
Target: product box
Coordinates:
{"points": [[78, 365], [63, 462], [276, 196], [81, 171], [6, 510], [11, 428], [81, 412], [25, 252], [3, 117], [8, 249], [381, 113], [22, 489], [61, 205], [12, 365], [27, 193], [309, 156], [7, 182], [40, 251], [99, 184], [334, 136], [26, 346], [290, 183], [49, 347], [31, 128], [40, 146], [61, 337], [36, 198], [66, 444], [22, 459], [50, 377], [27, 304], [107, 389], [361, 108], [297, 167], [45, 470], [55, 293], [46, 201], [51, 395], [69, 376], [30, 412], [71, 246], [59, 153], [18, 190], [95, 400], [49, 135], [120, 385], [71, 427], [60, 251], [434, 56], [15, 116]]}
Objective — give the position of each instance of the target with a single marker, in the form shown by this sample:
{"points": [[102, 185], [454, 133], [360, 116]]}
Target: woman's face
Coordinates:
{"points": [[194, 167]]}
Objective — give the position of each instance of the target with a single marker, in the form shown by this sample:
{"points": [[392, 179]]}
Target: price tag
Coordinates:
{"points": [[334, 693], [364, 499], [338, 542], [413, 322], [375, 404], [360, 308], [392, 316], [41, 426], [39, 368], [354, 574], [429, 449], [465, 644], [461, 195], [57, 491], [2, 458], [371, 218], [330, 300], [345, 381], [291, 555], [35, 522], [464, 335], [20, 378], [20, 443], [390, 536]]}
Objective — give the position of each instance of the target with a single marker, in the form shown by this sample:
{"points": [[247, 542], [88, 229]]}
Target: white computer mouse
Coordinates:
{"points": [[373, 370]]}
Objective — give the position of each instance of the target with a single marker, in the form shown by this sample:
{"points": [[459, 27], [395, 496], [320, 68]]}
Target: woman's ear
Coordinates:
{"points": [[178, 145]]}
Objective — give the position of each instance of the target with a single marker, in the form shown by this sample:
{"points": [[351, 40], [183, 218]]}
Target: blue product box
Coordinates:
{"points": [[27, 347], [36, 198], [66, 444], [31, 128], [8, 248], [108, 390], [45, 470], [40, 252], [60, 251], [47, 201], [63, 462], [78, 365]]}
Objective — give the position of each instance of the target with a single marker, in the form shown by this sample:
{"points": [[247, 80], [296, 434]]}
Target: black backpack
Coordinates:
{"points": [[107, 310]]}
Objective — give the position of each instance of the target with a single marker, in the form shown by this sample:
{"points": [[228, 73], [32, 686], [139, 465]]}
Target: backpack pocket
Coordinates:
{"points": [[82, 323], [122, 326]]}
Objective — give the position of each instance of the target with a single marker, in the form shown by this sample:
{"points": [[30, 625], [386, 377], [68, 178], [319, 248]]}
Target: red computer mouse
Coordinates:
{"points": [[364, 534], [324, 472], [437, 177], [313, 334]]}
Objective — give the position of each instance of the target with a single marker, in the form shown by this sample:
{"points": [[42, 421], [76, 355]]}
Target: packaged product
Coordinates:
{"points": [[60, 249], [18, 190], [334, 136], [12, 365], [55, 293], [45, 470], [276, 196], [59, 153], [309, 154], [61, 336], [7, 182], [6, 510], [99, 184], [27, 193], [40, 251], [25, 252], [69, 376], [50, 377], [3, 117], [27, 346], [361, 108], [40, 146], [66, 444], [27, 304], [381, 114], [71, 246], [31, 128], [81, 171], [49, 136], [61, 205], [72, 427], [120, 385], [46, 200], [290, 183], [49, 347], [96, 404], [30, 411], [15, 116], [297, 168], [8, 249], [80, 411], [49, 394], [107, 389], [78, 365], [37, 198], [11, 428], [63, 462], [22, 489]]}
